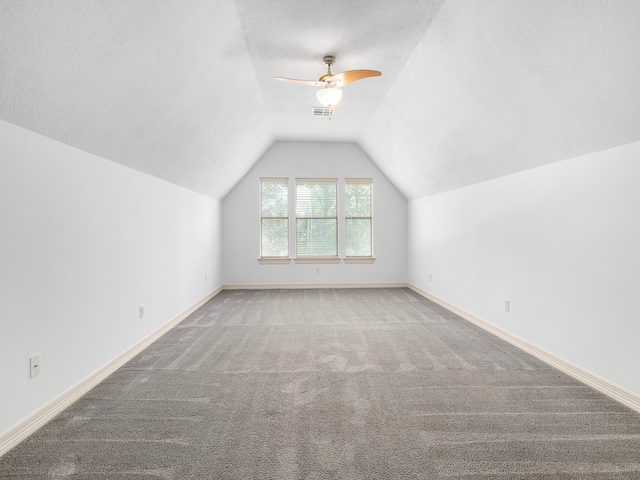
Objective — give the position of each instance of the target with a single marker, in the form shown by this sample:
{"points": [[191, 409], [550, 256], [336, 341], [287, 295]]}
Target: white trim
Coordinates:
{"points": [[274, 261], [355, 260], [274, 179], [308, 260], [619, 394], [317, 260], [25, 428], [317, 180], [40, 417], [358, 181], [296, 286], [347, 197], [284, 181]]}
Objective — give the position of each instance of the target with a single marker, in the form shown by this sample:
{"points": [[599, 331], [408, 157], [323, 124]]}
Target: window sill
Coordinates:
{"points": [[317, 260], [355, 260], [274, 261]]}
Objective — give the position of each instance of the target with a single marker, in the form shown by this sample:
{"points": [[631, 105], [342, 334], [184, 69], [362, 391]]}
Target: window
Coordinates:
{"points": [[317, 221], [274, 224], [358, 217], [317, 218]]}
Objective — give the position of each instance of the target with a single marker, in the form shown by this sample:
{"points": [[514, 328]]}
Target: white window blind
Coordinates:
{"points": [[316, 217], [274, 224], [358, 226]]}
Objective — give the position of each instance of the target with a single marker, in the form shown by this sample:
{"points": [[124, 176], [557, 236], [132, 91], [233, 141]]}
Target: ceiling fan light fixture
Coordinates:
{"points": [[329, 96]]}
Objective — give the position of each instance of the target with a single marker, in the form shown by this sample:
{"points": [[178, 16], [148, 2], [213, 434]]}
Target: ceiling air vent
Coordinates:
{"points": [[321, 112]]}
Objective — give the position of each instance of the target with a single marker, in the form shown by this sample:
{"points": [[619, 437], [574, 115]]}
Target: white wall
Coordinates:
{"points": [[241, 218], [562, 242], [84, 242]]}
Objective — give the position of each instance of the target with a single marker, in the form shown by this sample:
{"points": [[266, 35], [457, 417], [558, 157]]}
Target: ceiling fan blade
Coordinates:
{"points": [[350, 76], [313, 83]]}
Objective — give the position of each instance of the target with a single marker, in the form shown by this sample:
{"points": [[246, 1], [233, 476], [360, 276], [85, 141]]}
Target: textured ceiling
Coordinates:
{"points": [[184, 89], [497, 87], [289, 38], [165, 87]]}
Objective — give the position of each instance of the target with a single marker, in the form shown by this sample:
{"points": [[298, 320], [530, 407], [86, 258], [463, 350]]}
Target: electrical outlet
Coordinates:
{"points": [[141, 311], [34, 365], [507, 305], [429, 277], [317, 269]]}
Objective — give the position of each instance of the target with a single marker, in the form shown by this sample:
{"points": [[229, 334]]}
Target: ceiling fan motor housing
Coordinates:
{"points": [[329, 60]]}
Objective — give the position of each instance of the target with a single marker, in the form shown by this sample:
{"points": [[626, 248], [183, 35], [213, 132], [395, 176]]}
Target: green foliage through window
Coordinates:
{"points": [[316, 210], [274, 200], [317, 218], [358, 218]]}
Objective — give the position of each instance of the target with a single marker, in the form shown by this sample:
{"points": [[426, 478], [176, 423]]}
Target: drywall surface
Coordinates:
{"points": [[498, 87], [241, 218], [84, 243], [559, 241], [134, 82]]}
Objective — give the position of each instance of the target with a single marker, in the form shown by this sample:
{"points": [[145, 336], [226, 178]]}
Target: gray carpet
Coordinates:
{"points": [[333, 384]]}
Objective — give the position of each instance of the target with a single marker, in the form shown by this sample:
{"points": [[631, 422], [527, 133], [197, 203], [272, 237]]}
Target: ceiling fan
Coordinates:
{"points": [[331, 94]]}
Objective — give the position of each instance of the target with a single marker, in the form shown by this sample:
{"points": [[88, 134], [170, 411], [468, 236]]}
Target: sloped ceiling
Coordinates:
{"points": [[184, 89], [497, 87], [165, 87], [289, 38]]}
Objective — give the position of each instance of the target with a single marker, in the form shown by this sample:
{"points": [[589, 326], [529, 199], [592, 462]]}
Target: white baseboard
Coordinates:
{"points": [[22, 430], [619, 394], [40, 417], [296, 286]]}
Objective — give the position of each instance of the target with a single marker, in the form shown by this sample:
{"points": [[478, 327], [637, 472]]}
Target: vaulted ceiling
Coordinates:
{"points": [[184, 89]]}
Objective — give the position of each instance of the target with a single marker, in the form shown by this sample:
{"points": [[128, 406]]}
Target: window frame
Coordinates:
{"points": [[275, 259], [359, 258], [298, 258], [340, 218]]}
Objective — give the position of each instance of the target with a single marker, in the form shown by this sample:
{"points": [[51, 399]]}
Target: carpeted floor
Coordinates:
{"points": [[333, 384]]}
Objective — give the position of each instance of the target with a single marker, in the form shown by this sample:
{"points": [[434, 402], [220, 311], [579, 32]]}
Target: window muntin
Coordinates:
{"points": [[274, 222], [358, 226], [317, 218]]}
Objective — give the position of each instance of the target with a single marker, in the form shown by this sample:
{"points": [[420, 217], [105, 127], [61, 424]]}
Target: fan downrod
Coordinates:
{"points": [[328, 60]]}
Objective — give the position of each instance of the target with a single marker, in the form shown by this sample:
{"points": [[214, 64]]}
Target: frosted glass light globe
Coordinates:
{"points": [[329, 96]]}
